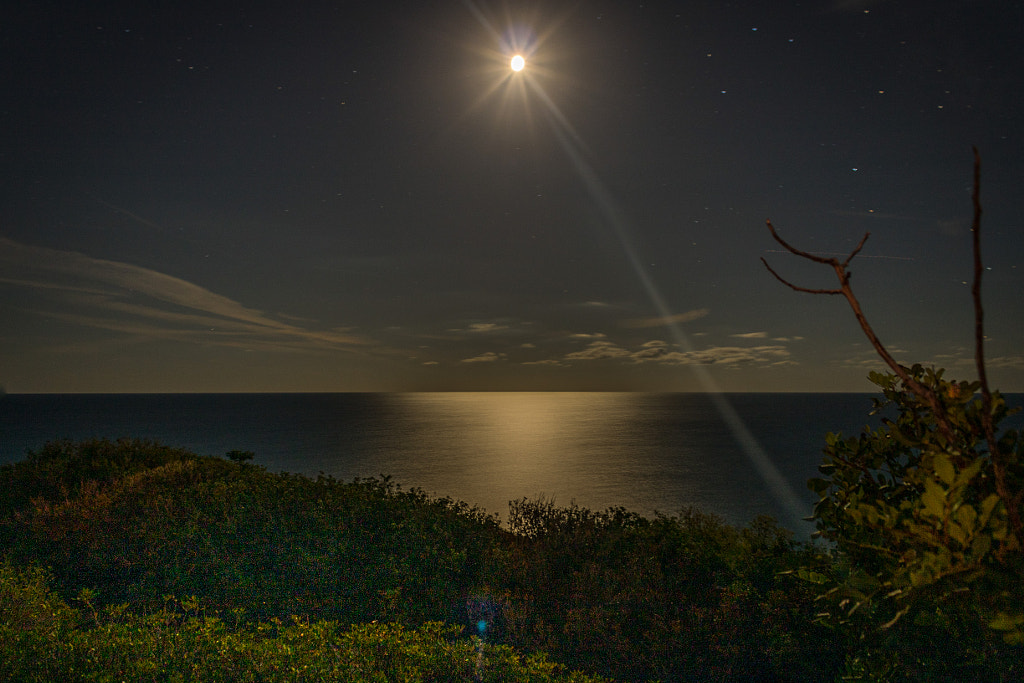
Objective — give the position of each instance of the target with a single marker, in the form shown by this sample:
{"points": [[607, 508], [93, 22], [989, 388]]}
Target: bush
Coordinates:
{"points": [[612, 593], [43, 639], [60, 468], [271, 545], [672, 598], [931, 570]]}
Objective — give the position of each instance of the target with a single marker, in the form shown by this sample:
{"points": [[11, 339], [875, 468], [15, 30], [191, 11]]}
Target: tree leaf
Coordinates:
{"points": [[987, 506], [934, 499], [944, 468], [956, 531], [967, 517], [968, 473], [818, 485]]}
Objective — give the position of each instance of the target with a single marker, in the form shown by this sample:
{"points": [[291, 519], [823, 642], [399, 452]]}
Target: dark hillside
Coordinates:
{"points": [[151, 528]]}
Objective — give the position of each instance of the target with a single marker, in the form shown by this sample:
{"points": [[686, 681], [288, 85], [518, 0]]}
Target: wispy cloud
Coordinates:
{"points": [[486, 327], [661, 352], [750, 335], [657, 351], [957, 363], [737, 355], [1011, 362], [133, 300], [661, 321], [489, 357], [598, 350], [480, 328]]}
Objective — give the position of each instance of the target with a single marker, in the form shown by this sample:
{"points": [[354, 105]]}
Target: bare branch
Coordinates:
{"points": [[843, 275], [979, 313], [797, 287], [860, 245], [1012, 502], [793, 250], [814, 257]]}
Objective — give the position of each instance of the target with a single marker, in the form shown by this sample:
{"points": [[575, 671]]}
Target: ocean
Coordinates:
{"points": [[735, 455]]}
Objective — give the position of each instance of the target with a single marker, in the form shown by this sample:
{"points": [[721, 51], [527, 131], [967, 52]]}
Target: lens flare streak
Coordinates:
{"points": [[762, 462], [576, 151]]}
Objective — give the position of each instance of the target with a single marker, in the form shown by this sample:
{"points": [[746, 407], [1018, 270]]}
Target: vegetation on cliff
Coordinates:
{"points": [[137, 548]]}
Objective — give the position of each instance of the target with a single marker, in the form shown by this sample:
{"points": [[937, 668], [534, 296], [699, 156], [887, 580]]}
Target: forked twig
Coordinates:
{"points": [[843, 274]]}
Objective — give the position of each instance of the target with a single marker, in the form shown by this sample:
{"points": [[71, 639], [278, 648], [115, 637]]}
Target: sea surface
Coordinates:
{"points": [[733, 455]]}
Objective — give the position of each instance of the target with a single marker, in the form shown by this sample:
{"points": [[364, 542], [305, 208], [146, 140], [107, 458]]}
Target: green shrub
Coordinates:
{"points": [[931, 569], [268, 544], [611, 593], [43, 639], [673, 598], [60, 468]]}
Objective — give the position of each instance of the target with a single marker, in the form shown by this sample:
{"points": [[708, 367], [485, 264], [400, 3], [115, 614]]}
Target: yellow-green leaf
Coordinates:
{"points": [[934, 498], [957, 533], [1014, 637], [920, 577], [988, 505], [944, 468], [966, 515]]}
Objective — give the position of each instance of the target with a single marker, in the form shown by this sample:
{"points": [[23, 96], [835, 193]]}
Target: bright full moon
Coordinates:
{"points": [[518, 63]]}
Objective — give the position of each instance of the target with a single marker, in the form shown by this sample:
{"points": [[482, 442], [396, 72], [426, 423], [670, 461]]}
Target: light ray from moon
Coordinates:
{"points": [[779, 487], [576, 150]]}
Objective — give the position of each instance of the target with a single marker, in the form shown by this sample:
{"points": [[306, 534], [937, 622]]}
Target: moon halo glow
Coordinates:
{"points": [[518, 63]]}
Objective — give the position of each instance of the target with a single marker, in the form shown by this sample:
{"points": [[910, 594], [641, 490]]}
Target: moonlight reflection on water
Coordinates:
{"points": [[644, 452]]}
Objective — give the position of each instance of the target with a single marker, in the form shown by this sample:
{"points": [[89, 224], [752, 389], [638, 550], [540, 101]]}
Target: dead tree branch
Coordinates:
{"points": [[999, 463], [843, 274], [979, 313]]}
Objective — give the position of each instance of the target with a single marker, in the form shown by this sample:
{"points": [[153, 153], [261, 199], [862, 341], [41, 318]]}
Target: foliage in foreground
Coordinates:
{"points": [[673, 598], [240, 538], [611, 593], [44, 639], [925, 513], [283, 572], [929, 565]]}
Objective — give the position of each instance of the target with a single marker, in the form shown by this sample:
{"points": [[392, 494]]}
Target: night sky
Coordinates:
{"points": [[342, 196]]}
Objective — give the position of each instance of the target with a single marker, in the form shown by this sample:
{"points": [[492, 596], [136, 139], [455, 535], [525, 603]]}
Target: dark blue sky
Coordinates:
{"points": [[328, 196]]}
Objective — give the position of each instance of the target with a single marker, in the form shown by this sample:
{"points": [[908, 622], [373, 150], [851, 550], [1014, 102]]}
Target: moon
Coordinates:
{"points": [[518, 63]]}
